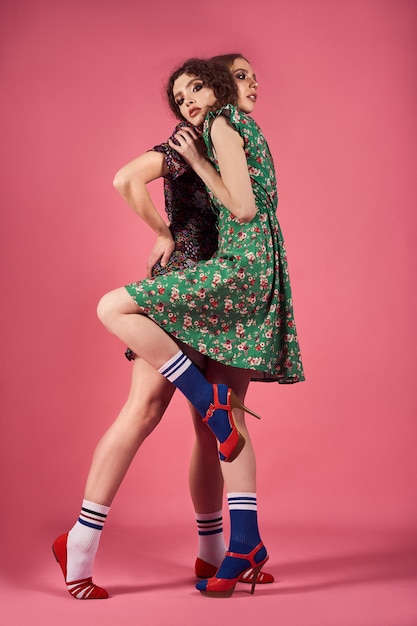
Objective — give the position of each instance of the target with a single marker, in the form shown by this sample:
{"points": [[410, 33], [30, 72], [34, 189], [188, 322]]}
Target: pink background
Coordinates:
{"points": [[81, 95]]}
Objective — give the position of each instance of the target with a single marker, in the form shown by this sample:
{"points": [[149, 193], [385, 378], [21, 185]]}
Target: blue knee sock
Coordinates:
{"points": [[182, 373], [244, 534]]}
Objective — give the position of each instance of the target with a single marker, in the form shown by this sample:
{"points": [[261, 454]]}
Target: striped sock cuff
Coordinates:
{"points": [[176, 366], [209, 523], [93, 515], [242, 501]]}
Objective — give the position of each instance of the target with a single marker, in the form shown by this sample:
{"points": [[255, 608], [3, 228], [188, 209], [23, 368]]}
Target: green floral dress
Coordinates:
{"points": [[236, 308]]}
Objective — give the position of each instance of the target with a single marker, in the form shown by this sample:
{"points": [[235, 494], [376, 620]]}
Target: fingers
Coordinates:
{"points": [[162, 251], [153, 259], [149, 266], [184, 136], [165, 258], [189, 131]]}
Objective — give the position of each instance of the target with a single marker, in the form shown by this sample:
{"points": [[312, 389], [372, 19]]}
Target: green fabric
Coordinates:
{"points": [[237, 307]]}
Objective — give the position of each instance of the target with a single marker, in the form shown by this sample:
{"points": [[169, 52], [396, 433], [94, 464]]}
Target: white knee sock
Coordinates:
{"points": [[211, 545], [83, 540]]}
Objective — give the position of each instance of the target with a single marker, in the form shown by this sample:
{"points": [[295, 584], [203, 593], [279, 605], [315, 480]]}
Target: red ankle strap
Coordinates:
{"points": [[213, 406], [248, 557]]}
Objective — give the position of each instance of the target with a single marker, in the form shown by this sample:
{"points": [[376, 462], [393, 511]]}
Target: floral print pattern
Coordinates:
{"points": [[191, 218], [236, 307], [192, 221]]}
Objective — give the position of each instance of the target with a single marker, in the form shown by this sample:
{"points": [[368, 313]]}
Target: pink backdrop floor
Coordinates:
{"points": [[325, 577]]}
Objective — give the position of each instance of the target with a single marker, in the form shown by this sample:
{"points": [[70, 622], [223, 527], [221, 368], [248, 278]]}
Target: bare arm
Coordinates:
{"points": [[233, 186], [130, 181]]}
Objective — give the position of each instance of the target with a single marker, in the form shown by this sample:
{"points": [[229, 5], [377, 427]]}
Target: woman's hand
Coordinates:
{"points": [[189, 145], [233, 185], [162, 250]]}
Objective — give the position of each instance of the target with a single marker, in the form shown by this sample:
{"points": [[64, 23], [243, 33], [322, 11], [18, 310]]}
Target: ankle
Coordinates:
{"points": [[83, 540], [211, 544]]}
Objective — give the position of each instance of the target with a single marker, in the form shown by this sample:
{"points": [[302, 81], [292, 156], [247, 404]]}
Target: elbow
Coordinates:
{"points": [[247, 214]]}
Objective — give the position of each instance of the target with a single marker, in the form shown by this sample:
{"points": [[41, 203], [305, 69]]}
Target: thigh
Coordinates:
{"points": [[236, 378]]}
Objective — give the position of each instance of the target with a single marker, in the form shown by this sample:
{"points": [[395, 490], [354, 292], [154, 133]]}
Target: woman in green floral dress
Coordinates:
{"points": [[236, 308]]}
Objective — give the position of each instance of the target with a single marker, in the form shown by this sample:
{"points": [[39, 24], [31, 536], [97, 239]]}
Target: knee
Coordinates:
{"points": [[106, 310], [151, 420], [147, 417]]}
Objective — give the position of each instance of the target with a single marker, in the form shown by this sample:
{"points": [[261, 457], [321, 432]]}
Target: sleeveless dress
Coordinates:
{"points": [[236, 308]]}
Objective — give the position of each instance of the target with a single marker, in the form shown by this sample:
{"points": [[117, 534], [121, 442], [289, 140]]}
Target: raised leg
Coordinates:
{"points": [[119, 313]]}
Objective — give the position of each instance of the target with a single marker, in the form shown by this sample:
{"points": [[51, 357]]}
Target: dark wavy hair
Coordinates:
{"points": [[212, 74], [227, 59]]}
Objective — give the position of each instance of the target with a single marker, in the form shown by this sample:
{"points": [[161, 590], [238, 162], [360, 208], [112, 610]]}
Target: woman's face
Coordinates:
{"points": [[246, 83], [193, 98]]}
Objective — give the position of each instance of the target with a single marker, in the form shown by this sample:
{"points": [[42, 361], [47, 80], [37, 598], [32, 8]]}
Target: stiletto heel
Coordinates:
{"points": [[235, 403], [83, 589], [223, 587]]}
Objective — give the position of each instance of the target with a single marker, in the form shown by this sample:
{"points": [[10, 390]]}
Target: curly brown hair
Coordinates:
{"points": [[212, 74], [227, 59]]}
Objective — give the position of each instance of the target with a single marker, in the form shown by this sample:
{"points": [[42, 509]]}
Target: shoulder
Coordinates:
{"points": [[226, 117], [174, 164], [223, 131], [229, 111], [239, 120]]}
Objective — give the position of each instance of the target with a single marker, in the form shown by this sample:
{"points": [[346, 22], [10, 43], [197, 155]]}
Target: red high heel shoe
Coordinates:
{"points": [[230, 439], [203, 569], [83, 589], [224, 587]]}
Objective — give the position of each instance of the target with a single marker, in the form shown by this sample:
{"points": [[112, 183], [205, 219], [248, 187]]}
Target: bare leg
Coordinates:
{"points": [[241, 474], [149, 396], [75, 551], [205, 475]]}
